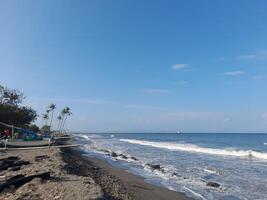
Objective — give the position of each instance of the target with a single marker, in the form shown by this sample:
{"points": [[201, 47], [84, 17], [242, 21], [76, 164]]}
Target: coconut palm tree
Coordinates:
{"points": [[45, 117], [62, 114], [59, 118], [51, 107], [65, 113]]}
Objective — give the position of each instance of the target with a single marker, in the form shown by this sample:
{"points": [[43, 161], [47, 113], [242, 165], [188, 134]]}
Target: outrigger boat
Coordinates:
{"points": [[18, 143], [31, 141], [27, 139]]}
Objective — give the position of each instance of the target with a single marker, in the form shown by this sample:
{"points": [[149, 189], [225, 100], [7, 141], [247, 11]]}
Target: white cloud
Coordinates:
{"points": [[233, 73], [155, 91], [179, 66], [247, 57]]}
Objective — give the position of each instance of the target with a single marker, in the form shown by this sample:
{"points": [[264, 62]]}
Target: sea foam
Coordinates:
{"points": [[198, 149]]}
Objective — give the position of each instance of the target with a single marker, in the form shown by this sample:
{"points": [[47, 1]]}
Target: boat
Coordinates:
{"points": [[18, 143], [179, 132], [21, 137]]}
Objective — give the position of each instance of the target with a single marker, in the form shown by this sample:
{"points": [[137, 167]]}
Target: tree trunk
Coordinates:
{"points": [[63, 124], [51, 120]]}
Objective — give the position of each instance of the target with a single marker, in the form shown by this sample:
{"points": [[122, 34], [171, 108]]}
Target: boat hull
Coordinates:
{"points": [[17, 144]]}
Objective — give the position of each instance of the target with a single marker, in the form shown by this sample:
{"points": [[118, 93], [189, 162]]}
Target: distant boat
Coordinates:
{"points": [[179, 132]]}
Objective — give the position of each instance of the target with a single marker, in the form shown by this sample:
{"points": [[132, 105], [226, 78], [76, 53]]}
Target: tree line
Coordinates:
{"points": [[12, 111], [48, 116]]}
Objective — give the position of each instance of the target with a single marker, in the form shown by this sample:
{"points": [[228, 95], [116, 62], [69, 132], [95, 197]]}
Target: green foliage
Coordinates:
{"points": [[34, 128], [11, 112], [46, 129], [10, 97], [52, 107]]}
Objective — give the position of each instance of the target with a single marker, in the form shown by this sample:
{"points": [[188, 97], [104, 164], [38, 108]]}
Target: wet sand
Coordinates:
{"points": [[116, 183]]}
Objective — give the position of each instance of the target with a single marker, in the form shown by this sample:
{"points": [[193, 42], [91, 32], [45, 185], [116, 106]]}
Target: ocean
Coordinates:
{"points": [[189, 161]]}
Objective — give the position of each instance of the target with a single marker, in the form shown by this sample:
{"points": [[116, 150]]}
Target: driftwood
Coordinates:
{"points": [[21, 179], [12, 162], [39, 158], [9, 158]]}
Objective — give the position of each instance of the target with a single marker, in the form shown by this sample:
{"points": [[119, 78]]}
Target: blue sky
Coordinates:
{"points": [[140, 66]]}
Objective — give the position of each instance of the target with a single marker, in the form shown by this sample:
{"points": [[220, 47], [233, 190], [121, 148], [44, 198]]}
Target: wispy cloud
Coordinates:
{"points": [[258, 77], [146, 107], [195, 115], [222, 59], [179, 66], [260, 55], [155, 91], [247, 57], [233, 73], [264, 116], [227, 119], [181, 82], [71, 100]]}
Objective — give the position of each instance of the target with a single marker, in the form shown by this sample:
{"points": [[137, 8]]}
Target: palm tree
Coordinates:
{"points": [[62, 114], [65, 113], [59, 121], [51, 107], [45, 117]]}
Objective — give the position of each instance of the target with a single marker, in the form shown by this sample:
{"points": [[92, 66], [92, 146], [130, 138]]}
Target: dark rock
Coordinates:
{"points": [[113, 154], [213, 184], [134, 158], [154, 167], [123, 156]]}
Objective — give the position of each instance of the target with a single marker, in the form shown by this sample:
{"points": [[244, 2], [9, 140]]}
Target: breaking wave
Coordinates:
{"points": [[198, 149]]}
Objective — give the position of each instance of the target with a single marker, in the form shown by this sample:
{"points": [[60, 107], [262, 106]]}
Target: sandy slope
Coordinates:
{"points": [[61, 185]]}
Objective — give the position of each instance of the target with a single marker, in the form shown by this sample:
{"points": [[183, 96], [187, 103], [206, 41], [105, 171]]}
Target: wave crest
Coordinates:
{"points": [[198, 149]]}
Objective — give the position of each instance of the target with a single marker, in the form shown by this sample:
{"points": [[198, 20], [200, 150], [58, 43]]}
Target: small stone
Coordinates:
{"points": [[213, 184]]}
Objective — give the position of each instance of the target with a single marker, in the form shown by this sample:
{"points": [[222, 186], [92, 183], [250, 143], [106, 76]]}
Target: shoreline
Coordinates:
{"points": [[115, 182], [73, 176]]}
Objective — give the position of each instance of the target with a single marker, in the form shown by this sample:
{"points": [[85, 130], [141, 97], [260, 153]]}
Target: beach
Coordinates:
{"points": [[74, 176]]}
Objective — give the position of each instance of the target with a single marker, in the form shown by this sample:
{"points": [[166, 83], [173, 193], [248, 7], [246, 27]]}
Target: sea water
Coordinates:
{"points": [[237, 162]]}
